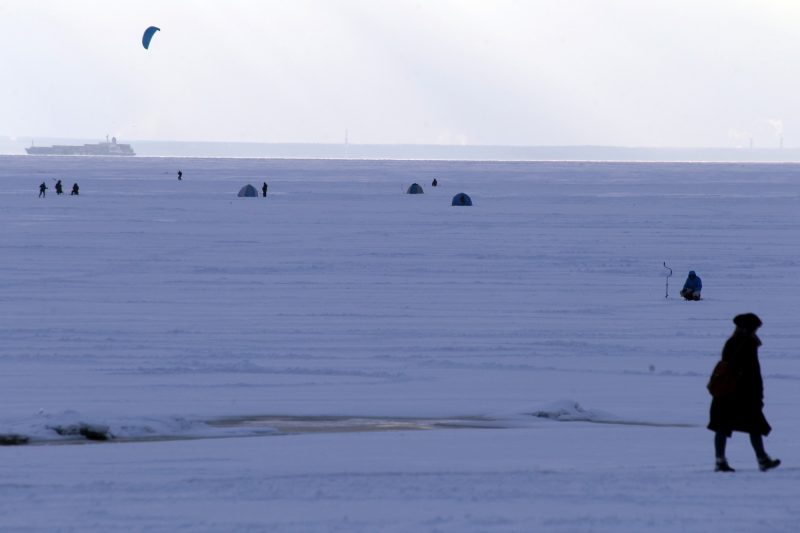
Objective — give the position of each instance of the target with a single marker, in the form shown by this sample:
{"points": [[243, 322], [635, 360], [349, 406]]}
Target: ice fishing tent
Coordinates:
{"points": [[248, 191], [415, 189], [461, 199]]}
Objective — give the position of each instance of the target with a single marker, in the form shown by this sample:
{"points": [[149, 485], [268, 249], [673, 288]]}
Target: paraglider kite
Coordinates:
{"points": [[148, 34]]}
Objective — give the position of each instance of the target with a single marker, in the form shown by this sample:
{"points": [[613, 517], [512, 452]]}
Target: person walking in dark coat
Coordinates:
{"points": [[42, 189], [59, 190], [180, 175], [741, 409], [75, 190], [264, 189]]}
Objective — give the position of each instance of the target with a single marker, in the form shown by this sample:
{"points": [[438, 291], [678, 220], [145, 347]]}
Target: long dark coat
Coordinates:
{"points": [[742, 411]]}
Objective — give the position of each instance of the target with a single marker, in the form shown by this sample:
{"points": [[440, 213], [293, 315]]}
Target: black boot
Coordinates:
{"points": [[723, 466], [767, 463]]}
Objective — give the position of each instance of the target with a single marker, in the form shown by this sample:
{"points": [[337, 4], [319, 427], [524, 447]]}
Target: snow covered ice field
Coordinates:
{"points": [[341, 356]]}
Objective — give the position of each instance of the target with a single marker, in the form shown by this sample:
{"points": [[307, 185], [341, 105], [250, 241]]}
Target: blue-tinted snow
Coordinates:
{"points": [[149, 306]]}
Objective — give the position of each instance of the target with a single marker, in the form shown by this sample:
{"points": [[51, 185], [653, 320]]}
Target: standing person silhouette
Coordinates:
{"points": [[264, 189], [42, 189], [75, 190], [180, 175], [59, 190], [741, 408]]}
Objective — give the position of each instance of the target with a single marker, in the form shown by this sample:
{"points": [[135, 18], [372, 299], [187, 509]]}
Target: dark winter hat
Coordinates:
{"points": [[748, 321]]}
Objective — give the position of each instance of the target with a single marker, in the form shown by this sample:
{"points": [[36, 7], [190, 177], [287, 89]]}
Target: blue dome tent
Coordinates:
{"points": [[461, 199], [415, 189], [248, 191]]}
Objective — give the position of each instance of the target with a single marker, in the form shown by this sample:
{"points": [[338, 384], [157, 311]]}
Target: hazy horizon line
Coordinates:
{"points": [[51, 138]]}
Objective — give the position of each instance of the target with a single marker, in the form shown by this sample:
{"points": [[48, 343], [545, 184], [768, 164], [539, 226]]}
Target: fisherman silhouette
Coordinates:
{"points": [[434, 183], [692, 287], [75, 190], [264, 189], [42, 188], [180, 175], [59, 190]]}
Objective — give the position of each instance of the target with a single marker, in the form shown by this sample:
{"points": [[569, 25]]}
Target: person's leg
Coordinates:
{"points": [[719, 445], [765, 462], [758, 445], [719, 449]]}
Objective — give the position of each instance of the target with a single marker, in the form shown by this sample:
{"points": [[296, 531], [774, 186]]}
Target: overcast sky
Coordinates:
{"points": [[560, 72]]}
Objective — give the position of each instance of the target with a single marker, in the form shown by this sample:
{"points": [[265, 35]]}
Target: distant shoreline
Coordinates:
{"points": [[409, 152], [408, 160]]}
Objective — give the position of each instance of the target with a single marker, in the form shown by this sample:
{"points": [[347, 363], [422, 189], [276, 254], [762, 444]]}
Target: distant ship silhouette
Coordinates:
{"points": [[103, 148]]}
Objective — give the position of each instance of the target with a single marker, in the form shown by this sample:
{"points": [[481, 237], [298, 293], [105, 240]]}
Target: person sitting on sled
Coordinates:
{"points": [[692, 287]]}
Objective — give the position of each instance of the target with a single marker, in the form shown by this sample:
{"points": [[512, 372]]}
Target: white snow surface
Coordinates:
{"points": [[341, 356]]}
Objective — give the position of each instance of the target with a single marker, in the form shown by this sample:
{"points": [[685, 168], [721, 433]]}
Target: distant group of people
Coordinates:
{"points": [[59, 189], [76, 190]]}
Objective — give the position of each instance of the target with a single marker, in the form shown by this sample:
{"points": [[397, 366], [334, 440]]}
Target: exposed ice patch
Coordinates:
{"points": [[572, 411], [347, 424], [72, 427]]}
